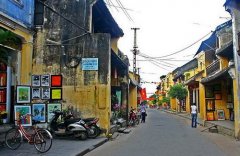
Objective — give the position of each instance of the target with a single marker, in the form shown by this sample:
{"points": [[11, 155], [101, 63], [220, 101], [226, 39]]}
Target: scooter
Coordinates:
{"points": [[90, 125], [68, 127], [133, 118]]}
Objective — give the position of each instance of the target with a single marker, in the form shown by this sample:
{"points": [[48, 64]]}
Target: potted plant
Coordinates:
{"points": [[4, 116]]}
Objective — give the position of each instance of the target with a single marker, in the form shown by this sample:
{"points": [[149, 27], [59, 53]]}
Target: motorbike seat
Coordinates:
{"points": [[70, 121]]}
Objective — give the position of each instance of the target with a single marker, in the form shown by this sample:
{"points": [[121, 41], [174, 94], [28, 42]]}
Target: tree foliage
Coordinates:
{"points": [[178, 91]]}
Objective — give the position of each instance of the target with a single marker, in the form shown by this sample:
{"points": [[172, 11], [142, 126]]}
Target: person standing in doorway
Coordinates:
{"points": [[143, 113], [194, 115]]}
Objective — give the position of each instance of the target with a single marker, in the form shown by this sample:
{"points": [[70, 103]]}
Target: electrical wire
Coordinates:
{"points": [[185, 48], [124, 10]]}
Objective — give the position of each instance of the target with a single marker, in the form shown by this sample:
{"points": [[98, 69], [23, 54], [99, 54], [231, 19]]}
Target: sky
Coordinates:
{"points": [[166, 27]]}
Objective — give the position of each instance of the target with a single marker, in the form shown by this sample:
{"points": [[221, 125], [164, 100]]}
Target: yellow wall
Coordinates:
{"points": [[132, 97], [133, 93], [26, 53], [236, 109], [173, 103]]}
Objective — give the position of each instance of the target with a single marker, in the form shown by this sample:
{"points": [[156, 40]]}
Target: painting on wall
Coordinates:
{"points": [[209, 92], [36, 80], [220, 114], [56, 93], [45, 80], [39, 112], [36, 93], [23, 94], [45, 93], [56, 80], [52, 107], [23, 113]]}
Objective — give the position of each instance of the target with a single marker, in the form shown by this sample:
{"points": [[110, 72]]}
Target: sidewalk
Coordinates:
{"points": [[223, 127], [60, 147]]}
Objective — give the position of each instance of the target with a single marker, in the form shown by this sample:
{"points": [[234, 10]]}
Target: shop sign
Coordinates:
{"points": [[89, 63]]}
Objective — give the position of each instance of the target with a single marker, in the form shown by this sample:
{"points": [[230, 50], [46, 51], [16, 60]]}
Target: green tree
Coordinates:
{"points": [[178, 91]]}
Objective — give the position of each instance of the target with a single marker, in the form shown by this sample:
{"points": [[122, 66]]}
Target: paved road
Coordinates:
{"points": [[165, 134]]}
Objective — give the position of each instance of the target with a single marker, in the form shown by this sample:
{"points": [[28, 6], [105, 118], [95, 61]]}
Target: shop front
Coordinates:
{"points": [[219, 97]]}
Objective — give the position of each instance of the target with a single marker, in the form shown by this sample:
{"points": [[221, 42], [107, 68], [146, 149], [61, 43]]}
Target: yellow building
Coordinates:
{"points": [[16, 50]]}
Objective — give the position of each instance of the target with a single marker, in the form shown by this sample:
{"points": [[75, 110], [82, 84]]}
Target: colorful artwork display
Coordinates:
{"points": [[35, 80], [22, 113], [45, 80], [36, 93], [56, 80], [56, 93], [52, 107], [46, 93], [220, 114], [23, 94], [39, 112]]}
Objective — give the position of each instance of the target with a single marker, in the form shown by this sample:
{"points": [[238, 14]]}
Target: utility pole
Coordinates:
{"points": [[135, 50]]}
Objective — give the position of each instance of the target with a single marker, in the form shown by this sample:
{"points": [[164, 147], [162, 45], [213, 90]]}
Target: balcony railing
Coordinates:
{"points": [[213, 67]]}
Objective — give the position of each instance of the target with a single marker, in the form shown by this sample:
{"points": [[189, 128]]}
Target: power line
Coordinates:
{"points": [[184, 48], [124, 10]]}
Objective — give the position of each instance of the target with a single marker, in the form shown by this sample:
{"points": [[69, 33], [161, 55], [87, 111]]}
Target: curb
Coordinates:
{"points": [[92, 148]]}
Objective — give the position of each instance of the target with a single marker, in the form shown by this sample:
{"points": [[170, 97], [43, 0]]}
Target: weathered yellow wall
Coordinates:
{"points": [[90, 101], [132, 97], [202, 113], [173, 103], [188, 102], [26, 53], [236, 110]]}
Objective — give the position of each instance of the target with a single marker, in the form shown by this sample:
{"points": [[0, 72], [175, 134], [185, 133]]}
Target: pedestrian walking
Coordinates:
{"points": [[143, 113], [194, 115]]}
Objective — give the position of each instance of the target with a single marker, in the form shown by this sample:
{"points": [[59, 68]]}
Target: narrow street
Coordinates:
{"points": [[168, 135]]}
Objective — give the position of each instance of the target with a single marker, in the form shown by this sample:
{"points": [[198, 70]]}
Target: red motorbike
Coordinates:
{"points": [[133, 118]]}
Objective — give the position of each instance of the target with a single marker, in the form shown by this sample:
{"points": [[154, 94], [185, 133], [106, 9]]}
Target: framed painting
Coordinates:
{"points": [[45, 93], [2, 107], [23, 113], [210, 116], [36, 93], [36, 80], [209, 92], [51, 107], [218, 96], [56, 80], [56, 93], [210, 105], [45, 80], [220, 114], [39, 112], [23, 94]]}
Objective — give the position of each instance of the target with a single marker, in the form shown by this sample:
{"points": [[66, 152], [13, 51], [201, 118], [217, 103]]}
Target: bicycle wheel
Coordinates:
{"points": [[42, 140], [13, 138]]}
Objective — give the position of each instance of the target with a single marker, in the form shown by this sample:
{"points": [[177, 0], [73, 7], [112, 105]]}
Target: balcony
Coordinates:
{"points": [[213, 67]]}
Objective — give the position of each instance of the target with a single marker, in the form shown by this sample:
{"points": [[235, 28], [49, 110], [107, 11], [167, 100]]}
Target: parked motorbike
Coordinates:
{"points": [[133, 118], [90, 125], [67, 127]]}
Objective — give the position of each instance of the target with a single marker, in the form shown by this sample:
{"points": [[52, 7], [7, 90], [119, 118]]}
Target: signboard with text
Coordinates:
{"points": [[89, 63]]}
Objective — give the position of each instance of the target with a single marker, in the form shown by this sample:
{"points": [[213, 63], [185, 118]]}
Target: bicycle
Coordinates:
{"points": [[41, 138]]}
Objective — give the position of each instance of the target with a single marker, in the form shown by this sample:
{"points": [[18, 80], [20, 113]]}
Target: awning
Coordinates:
{"points": [[103, 21], [216, 76], [134, 83], [192, 80], [226, 50], [210, 43]]}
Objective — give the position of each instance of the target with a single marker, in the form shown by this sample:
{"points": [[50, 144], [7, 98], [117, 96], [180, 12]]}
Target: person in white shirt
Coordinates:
{"points": [[194, 115], [143, 113]]}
